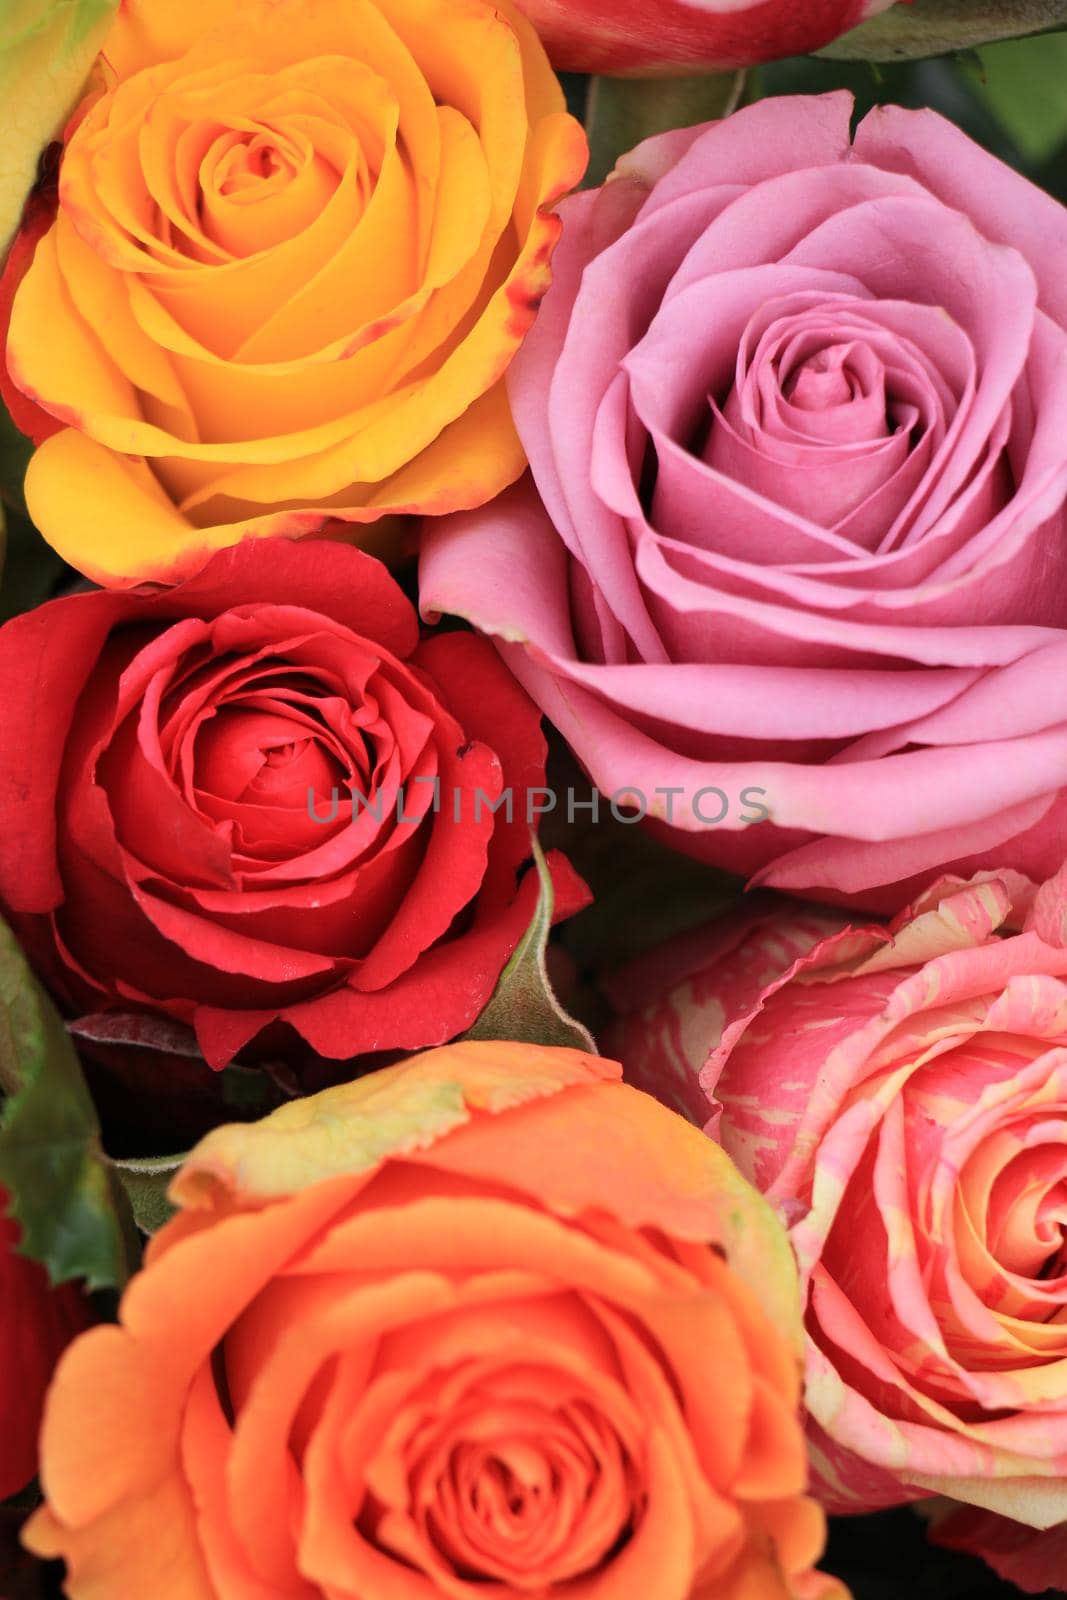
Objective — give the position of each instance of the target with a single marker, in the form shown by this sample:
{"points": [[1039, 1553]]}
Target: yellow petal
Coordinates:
{"points": [[108, 516]]}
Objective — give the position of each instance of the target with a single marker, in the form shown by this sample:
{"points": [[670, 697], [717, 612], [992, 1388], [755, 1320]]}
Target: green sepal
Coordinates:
{"points": [[146, 1181], [524, 1006]]}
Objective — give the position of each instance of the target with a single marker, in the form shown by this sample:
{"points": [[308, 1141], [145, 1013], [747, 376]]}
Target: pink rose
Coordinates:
{"points": [[654, 36], [795, 542], [900, 1095]]}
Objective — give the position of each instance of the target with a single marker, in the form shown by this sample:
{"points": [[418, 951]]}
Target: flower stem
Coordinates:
{"points": [[623, 111]]}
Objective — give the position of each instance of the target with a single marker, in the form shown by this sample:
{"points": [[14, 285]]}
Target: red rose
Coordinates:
{"points": [[663, 36], [37, 1323], [260, 796]]}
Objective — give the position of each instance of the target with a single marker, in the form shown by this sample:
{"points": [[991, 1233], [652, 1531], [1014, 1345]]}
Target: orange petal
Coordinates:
{"points": [[113, 1415], [395, 1112], [143, 1546], [650, 1168], [206, 1441]]}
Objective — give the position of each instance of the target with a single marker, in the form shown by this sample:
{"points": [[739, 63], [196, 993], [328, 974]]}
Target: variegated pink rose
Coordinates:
{"points": [[900, 1093], [1034, 1561]]}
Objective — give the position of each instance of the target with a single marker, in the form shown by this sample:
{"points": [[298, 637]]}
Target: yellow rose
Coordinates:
{"points": [[297, 244]]}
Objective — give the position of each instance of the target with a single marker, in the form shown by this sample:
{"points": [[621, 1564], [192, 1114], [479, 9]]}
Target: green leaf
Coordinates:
{"points": [[623, 111], [30, 569], [644, 893], [51, 1163], [1022, 84], [524, 1006], [46, 50], [146, 1182], [15, 453], [936, 27]]}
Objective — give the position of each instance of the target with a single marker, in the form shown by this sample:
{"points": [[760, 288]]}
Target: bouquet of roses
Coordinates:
{"points": [[533, 799]]}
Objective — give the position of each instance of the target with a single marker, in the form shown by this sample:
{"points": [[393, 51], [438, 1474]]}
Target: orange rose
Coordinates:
{"points": [[297, 244], [487, 1322]]}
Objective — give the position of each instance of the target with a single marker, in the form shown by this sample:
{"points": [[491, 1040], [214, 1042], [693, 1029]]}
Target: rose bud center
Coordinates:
{"points": [[829, 406], [247, 183], [523, 1479], [1028, 1214], [248, 756]]}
